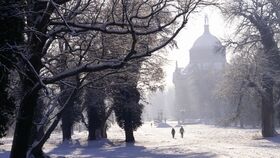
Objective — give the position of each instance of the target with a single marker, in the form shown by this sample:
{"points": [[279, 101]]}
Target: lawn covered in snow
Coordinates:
{"points": [[201, 141]]}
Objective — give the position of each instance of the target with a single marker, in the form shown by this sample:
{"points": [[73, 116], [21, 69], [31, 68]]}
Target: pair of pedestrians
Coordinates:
{"points": [[181, 132]]}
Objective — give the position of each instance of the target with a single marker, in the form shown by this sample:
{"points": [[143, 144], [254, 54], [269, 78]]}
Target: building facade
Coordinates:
{"points": [[195, 84]]}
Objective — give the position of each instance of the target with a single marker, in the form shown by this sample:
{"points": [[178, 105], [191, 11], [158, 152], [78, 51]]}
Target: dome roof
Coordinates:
{"points": [[206, 40], [207, 48]]}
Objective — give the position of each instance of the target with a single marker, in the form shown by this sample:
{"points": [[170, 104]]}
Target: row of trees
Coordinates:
{"points": [[61, 57], [252, 78]]}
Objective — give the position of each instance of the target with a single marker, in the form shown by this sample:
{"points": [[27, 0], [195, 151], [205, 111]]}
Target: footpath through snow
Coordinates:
{"points": [[200, 141]]}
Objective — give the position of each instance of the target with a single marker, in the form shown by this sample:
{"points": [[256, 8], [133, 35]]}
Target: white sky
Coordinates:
{"points": [[189, 34]]}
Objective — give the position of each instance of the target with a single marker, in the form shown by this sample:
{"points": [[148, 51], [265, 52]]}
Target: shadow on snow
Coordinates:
{"points": [[4, 153], [118, 149]]}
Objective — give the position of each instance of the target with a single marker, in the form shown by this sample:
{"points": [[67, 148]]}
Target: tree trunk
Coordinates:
{"points": [[68, 113], [129, 137], [92, 118], [241, 123], [28, 104], [24, 124], [95, 133], [91, 133], [37, 133], [267, 122], [67, 125], [67, 120], [96, 113], [267, 114], [104, 130], [38, 153], [242, 120], [267, 109]]}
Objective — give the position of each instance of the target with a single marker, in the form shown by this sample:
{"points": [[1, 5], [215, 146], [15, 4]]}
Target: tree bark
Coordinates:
{"points": [[28, 104], [37, 133], [267, 112], [103, 130], [96, 116], [267, 120], [91, 134], [24, 124], [67, 121], [129, 137], [97, 132], [92, 121], [66, 131]]}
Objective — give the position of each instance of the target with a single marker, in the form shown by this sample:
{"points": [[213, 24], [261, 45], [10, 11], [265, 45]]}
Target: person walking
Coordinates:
{"points": [[173, 133], [182, 131]]}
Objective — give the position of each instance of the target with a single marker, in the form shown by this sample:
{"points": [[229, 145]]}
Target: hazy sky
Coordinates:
{"points": [[191, 32], [185, 40]]}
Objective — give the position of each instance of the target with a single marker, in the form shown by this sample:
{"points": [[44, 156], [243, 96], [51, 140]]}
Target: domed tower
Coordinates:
{"points": [[207, 50], [195, 84]]}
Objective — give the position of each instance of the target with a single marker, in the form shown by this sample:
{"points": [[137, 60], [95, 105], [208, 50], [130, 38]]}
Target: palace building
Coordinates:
{"points": [[196, 83]]}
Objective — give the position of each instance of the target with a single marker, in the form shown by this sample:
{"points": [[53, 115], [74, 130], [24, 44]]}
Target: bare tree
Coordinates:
{"points": [[257, 31], [138, 19], [238, 89]]}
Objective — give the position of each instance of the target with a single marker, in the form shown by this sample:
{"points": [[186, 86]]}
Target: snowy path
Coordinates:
{"points": [[200, 141]]}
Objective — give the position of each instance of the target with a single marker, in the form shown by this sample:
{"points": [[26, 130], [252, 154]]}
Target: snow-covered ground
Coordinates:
{"points": [[201, 141]]}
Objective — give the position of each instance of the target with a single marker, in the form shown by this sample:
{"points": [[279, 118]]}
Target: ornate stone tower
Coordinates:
{"points": [[195, 84]]}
